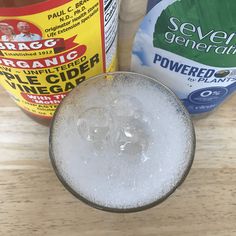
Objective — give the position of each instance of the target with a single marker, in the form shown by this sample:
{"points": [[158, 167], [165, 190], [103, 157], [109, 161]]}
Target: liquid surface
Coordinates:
{"points": [[121, 143]]}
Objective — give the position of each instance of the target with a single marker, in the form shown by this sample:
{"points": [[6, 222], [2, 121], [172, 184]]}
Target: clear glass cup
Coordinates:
{"points": [[121, 142]]}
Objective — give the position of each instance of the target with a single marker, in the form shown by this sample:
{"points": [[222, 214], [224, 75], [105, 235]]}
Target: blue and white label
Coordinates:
{"points": [[201, 87]]}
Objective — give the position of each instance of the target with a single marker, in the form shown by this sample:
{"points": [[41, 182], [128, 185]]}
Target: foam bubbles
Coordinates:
{"points": [[126, 106], [94, 127], [124, 147], [130, 133]]}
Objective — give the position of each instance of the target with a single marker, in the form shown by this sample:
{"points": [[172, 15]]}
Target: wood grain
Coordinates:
{"points": [[33, 202]]}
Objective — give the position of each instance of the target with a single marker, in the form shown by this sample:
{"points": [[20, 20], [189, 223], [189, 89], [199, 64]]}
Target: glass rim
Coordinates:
{"points": [[138, 208]]}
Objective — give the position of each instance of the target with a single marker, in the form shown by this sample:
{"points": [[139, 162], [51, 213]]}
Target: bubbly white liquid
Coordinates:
{"points": [[121, 143]]}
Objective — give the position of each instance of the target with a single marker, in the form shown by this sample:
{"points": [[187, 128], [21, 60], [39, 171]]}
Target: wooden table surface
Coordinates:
{"points": [[34, 202]]}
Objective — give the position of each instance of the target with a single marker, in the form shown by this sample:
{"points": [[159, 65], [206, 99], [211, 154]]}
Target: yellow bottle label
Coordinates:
{"points": [[53, 46]]}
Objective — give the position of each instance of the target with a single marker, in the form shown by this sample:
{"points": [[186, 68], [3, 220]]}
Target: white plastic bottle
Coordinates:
{"points": [[189, 45]]}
